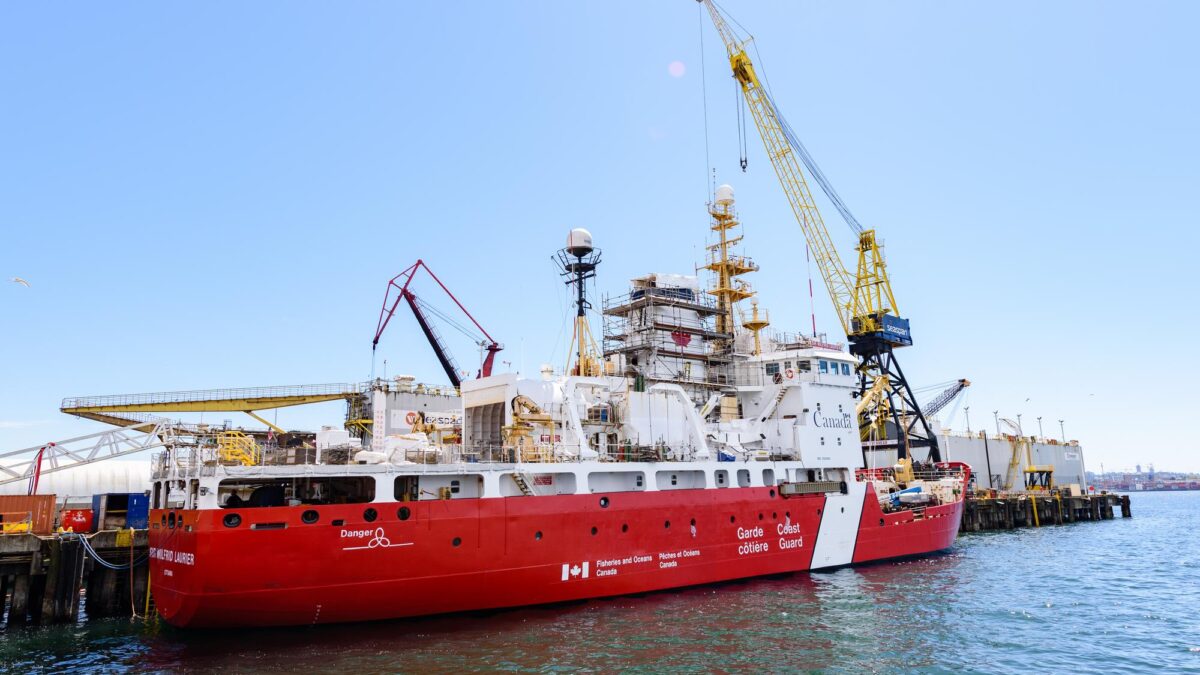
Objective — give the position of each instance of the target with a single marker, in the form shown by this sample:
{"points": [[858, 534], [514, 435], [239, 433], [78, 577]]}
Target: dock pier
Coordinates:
{"points": [[1001, 511], [41, 576]]}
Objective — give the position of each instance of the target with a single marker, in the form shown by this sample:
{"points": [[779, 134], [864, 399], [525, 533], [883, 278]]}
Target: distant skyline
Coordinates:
{"points": [[206, 196]]}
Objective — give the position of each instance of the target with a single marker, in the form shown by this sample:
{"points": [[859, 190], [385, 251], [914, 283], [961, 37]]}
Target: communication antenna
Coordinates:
{"points": [[578, 262]]}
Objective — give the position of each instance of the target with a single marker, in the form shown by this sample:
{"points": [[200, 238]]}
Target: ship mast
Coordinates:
{"points": [[578, 262], [727, 289]]}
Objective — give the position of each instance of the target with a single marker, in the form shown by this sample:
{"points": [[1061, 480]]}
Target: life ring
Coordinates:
{"points": [[790, 373]]}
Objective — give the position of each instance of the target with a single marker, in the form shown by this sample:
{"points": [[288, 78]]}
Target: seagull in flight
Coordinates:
{"points": [[19, 280]]}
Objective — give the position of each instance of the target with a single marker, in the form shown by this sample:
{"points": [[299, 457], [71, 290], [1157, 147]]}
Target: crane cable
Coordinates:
{"points": [[815, 170], [709, 187], [793, 140], [740, 105], [471, 335]]}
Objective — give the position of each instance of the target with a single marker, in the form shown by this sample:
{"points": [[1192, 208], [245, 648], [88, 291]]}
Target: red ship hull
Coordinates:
{"points": [[275, 569]]}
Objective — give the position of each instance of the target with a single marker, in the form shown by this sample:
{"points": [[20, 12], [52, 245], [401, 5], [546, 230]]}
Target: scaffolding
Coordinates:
{"points": [[666, 334]]}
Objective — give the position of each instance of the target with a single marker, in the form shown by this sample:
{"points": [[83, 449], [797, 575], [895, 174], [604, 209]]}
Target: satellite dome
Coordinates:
{"points": [[579, 242], [725, 194]]}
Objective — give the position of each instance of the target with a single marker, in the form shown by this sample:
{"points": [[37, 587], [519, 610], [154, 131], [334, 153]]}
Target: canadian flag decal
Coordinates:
{"points": [[574, 571]]}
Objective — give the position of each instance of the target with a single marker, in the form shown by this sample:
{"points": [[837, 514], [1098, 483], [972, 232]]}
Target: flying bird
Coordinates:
{"points": [[19, 280]]}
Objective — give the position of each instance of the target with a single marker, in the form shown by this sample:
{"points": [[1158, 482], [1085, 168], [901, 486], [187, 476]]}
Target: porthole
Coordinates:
{"points": [[537, 535], [232, 520], [667, 525], [594, 531], [604, 502], [163, 518], [732, 519], [818, 512], [457, 541], [787, 514], [625, 527], [774, 516], [310, 516], [403, 513], [171, 519], [881, 522], [760, 516], [693, 522], [772, 492], [370, 515]]}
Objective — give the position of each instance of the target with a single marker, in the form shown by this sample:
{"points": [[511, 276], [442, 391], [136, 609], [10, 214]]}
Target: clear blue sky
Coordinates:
{"points": [[214, 194]]}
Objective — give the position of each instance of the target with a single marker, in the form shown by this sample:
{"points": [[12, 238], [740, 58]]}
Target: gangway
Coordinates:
{"points": [[21, 465], [123, 409]]}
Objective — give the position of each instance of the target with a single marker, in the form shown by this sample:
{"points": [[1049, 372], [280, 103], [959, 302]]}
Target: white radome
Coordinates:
{"points": [[725, 194], [579, 242]]}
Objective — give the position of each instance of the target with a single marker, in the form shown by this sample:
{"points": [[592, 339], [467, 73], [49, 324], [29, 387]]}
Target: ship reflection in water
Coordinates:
{"points": [[796, 621]]}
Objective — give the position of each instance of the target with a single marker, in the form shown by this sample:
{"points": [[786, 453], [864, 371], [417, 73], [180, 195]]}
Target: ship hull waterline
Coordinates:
{"points": [[274, 568]]}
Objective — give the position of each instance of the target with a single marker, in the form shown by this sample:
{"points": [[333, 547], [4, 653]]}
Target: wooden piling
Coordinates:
{"points": [[1010, 511], [18, 612], [5, 585]]}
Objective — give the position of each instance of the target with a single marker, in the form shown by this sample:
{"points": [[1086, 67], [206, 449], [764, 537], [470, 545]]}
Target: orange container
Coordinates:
{"points": [[37, 510]]}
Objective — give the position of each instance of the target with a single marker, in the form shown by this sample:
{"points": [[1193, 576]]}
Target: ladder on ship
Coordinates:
{"points": [[770, 409], [523, 483]]}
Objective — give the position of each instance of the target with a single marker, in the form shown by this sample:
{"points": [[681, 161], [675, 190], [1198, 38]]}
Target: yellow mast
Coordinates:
{"points": [[756, 324], [725, 266]]}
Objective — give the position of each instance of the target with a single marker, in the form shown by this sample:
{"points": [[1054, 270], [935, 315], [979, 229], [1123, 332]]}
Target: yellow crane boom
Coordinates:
{"points": [[864, 301]]}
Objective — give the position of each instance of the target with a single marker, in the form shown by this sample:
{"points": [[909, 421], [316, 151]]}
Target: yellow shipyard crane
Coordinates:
{"points": [[864, 300]]}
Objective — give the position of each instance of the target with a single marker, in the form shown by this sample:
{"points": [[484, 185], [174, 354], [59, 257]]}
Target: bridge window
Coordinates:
{"points": [[804, 366], [845, 368], [772, 368], [824, 367]]}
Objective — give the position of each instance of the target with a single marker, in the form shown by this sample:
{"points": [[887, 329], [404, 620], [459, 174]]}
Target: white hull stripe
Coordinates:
{"points": [[838, 533]]}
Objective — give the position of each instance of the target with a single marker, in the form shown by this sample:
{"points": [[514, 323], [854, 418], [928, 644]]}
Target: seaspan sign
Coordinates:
{"points": [[844, 421]]}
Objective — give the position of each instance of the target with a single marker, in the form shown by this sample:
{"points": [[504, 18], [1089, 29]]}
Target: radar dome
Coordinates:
{"points": [[725, 194], [579, 242]]}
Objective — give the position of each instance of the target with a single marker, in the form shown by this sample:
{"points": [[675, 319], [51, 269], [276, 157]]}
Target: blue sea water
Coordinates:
{"points": [[1119, 596]]}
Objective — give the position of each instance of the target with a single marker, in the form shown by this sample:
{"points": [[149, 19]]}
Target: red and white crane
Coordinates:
{"points": [[398, 289]]}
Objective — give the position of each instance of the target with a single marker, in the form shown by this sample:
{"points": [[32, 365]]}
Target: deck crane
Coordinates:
{"points": [[864, 301], [398, 289], [935, 405]]}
